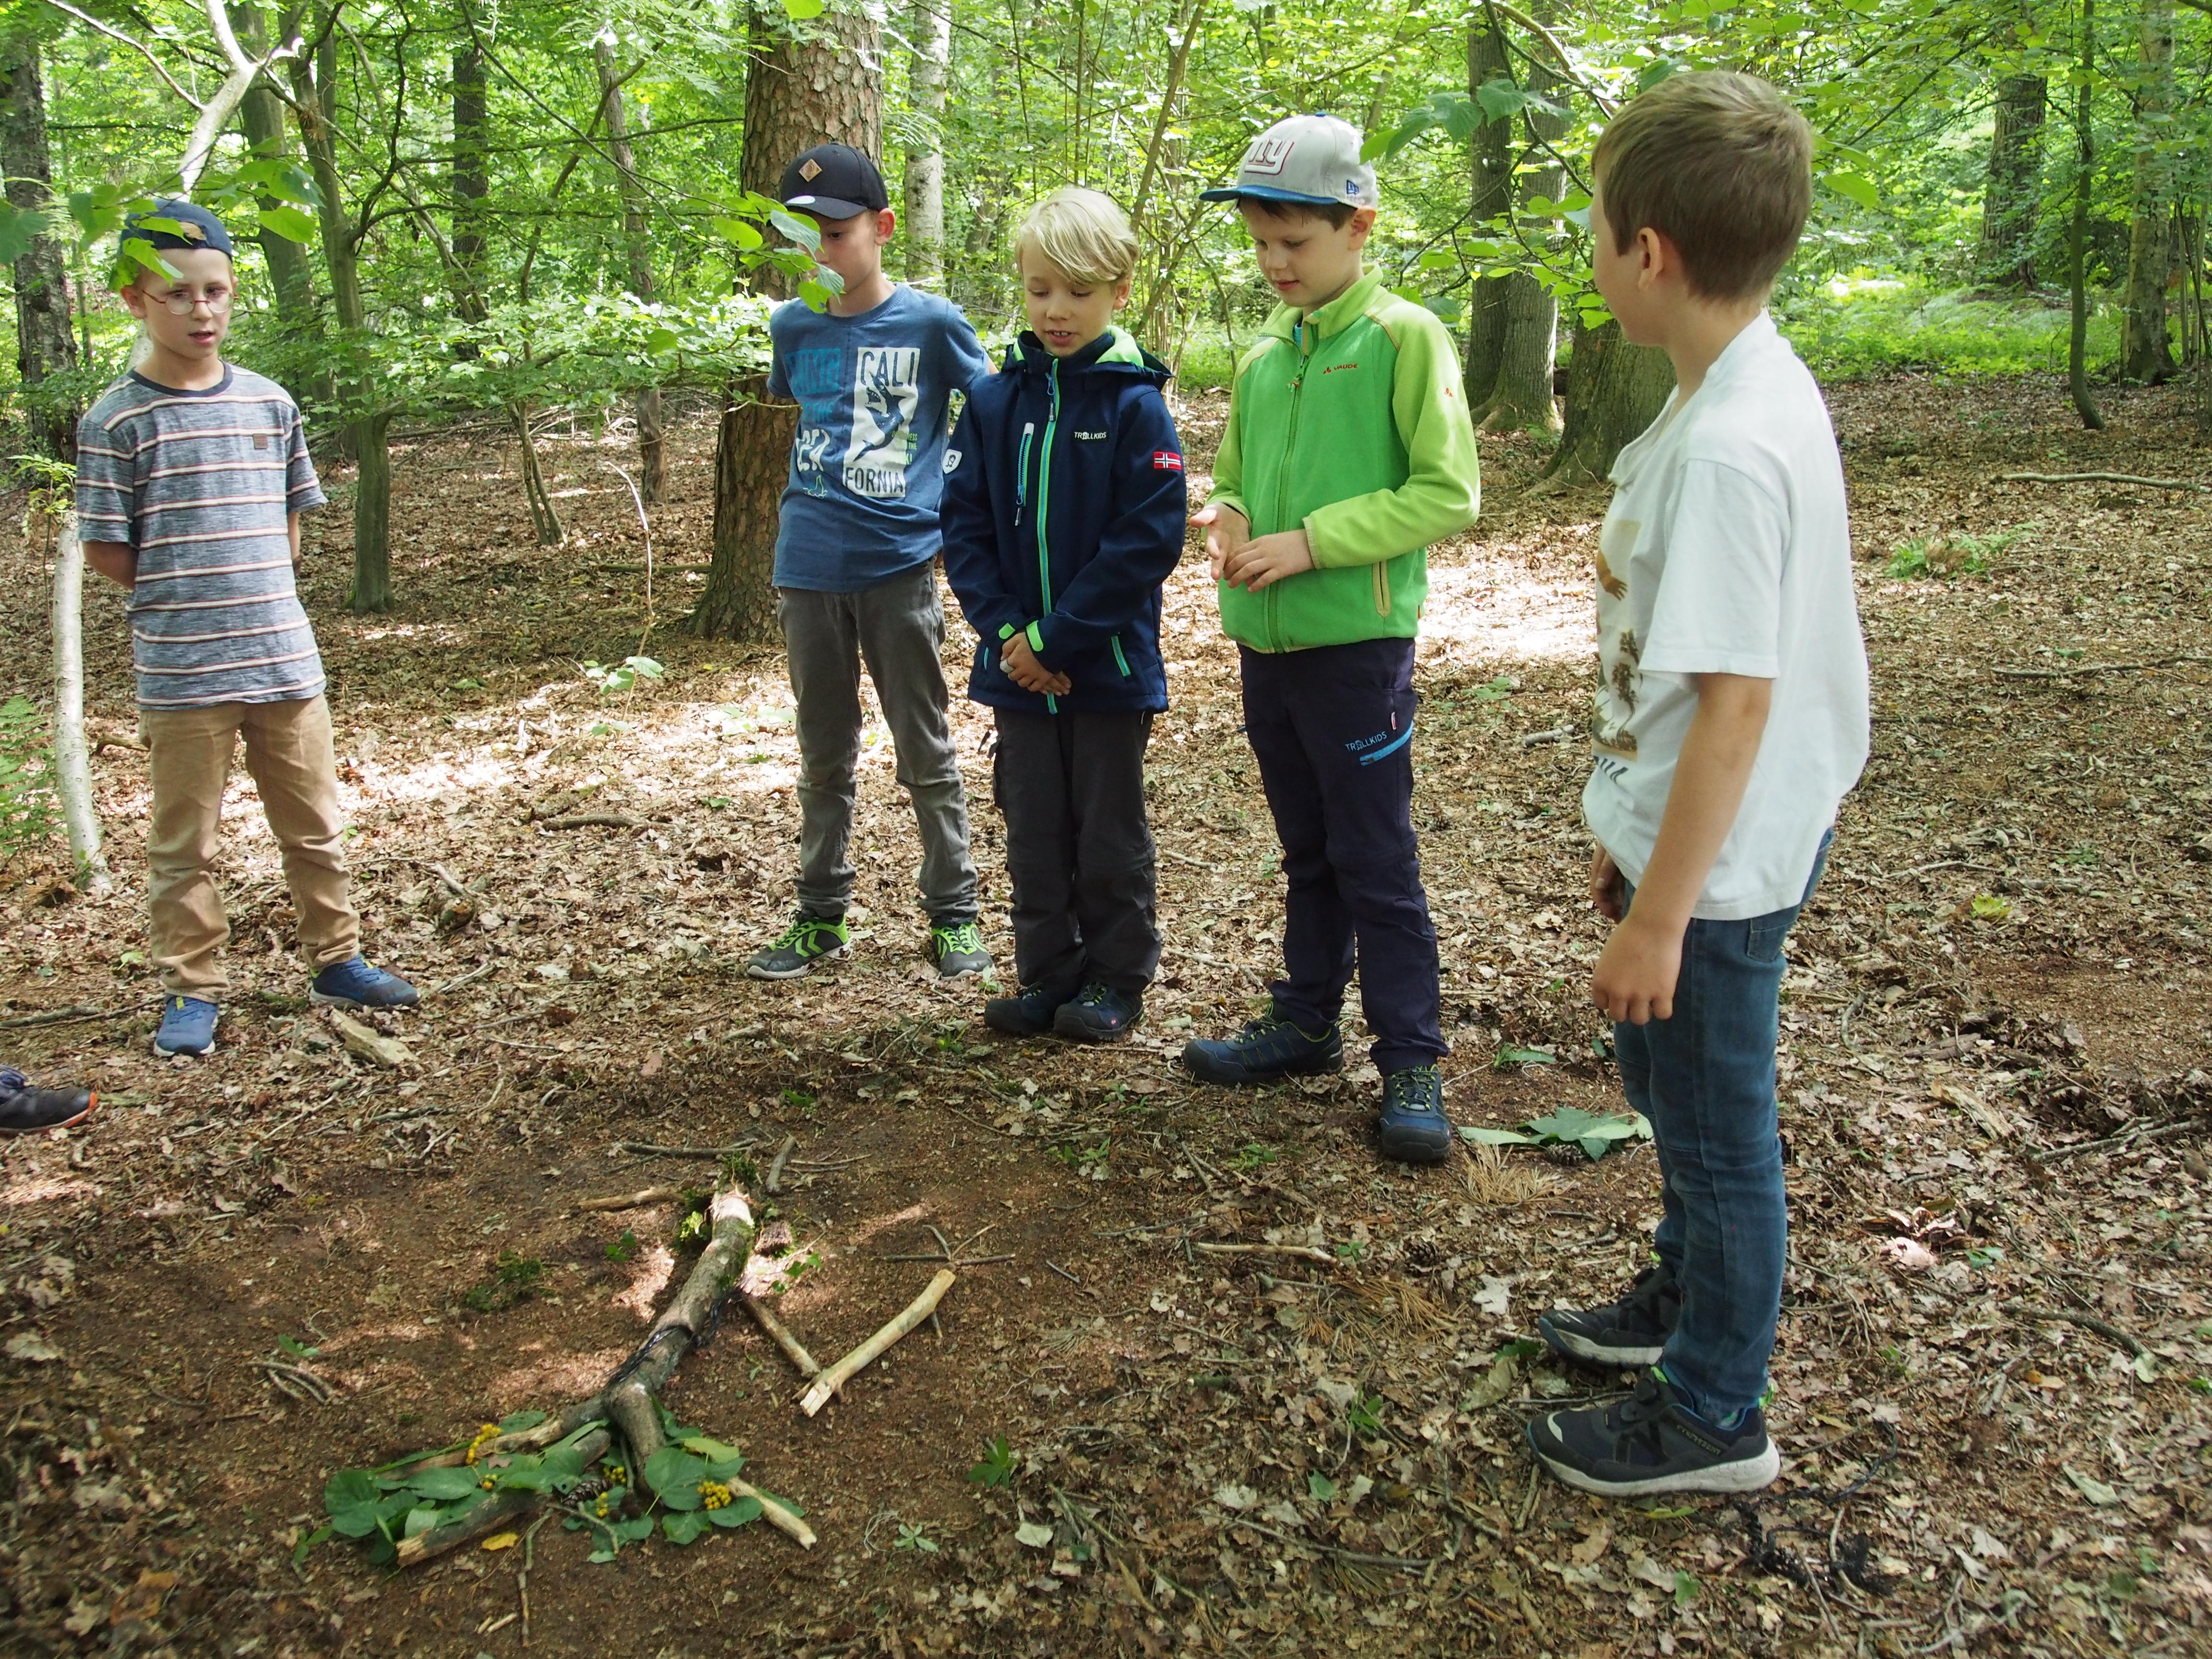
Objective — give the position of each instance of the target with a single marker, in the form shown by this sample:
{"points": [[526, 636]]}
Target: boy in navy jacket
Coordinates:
{"points": [[1063, 514]]}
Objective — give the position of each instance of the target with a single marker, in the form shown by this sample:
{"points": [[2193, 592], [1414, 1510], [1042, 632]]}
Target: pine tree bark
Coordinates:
{"points": [[2146, 351], [261, 113], [1492, 147], [45, 345], [315, 105], [799, 92], [929, 32], [2013, 187], [1614, 391], [637, 240], [1520, 399]]}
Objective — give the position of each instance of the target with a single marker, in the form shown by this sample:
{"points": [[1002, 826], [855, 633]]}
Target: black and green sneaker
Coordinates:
{"points": [[957, 950], [808, 940]]}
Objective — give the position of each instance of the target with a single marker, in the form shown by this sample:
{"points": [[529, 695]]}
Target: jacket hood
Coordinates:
{"points": [[1282, 323], [1114, 352]]}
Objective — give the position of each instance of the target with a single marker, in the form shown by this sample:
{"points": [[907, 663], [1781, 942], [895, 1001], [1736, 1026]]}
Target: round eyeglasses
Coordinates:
{"points": [[216, 300]]}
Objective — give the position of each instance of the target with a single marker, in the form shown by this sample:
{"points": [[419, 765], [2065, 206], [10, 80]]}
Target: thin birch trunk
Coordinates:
{"points": [[72, 755]]}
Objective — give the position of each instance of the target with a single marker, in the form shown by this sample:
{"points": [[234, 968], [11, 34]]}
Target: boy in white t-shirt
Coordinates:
{"points": [[1731, 721]]}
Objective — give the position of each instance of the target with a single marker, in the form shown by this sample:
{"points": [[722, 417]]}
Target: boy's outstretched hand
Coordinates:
{"points": [[1226, 530], [1022, 667], [1267, 559]]}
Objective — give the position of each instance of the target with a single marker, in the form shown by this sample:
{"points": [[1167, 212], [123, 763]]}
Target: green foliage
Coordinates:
{"points": [[1595, 1133], [383, 1508], [622, 675], [999, 1464], [28, 810], [1868, 325], [514, 1277], [623, 1248], [1959, 553]]}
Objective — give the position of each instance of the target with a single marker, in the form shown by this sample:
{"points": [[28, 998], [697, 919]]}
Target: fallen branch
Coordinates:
{"points": [[830, 1381], [371, 1045], [2103, 1328], [772, 1183], [636, 1201], [2126, 1138], [2075, 671], [793, 1349], [593, 820], [1403, 1563], [645, 1148], [2102, 477], [1557, 734], [1303, 1252], [63, 1016]]}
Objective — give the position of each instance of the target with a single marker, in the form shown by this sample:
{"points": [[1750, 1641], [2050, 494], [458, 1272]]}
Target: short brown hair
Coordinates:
{"points": [[1719, 164], [1339, 214]]}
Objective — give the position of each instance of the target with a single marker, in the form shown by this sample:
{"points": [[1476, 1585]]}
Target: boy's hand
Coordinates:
{"points": [[1267, 559], [1227, 529], [1634, 980], [1606, 890], [1022, 667]]}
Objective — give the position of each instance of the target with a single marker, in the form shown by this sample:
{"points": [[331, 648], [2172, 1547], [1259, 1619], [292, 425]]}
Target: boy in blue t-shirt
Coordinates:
{"points": [[875, 377]]}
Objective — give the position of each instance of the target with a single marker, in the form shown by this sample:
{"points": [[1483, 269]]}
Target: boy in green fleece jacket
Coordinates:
{"points": [[1348, 450]]}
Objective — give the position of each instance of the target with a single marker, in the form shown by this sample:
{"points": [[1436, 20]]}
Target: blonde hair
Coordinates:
{"points": [[1083, 233]]}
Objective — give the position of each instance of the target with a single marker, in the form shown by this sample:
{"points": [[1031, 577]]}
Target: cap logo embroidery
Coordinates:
{"points": [[1268, 154], [810, 169]]}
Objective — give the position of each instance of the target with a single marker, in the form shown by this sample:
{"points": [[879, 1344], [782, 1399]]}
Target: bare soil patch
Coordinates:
{"points": [[1234, 1454]]}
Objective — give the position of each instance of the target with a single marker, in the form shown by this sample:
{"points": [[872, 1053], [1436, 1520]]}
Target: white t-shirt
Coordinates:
{"points": [[1728, 551]]}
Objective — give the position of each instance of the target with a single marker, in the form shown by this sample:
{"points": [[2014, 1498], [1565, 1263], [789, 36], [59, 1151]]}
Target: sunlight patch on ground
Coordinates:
{"points": [[655, 1269], [1503, 612], [566, 1376], [33, 1190]]}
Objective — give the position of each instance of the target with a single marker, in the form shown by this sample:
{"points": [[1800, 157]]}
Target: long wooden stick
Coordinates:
{"points": [[1303, 1252], [2102, 477], [636, 1201], [773, 1512], [793, 1349], [843, 1371]]}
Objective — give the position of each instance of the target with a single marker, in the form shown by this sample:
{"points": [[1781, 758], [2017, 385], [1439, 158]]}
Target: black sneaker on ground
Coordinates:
{"points": [[1268, 1048], [1412, 1127], [25, 1111], [1028, 1014], [1099, 1014], [1631, 1331], [1651, 1442]]}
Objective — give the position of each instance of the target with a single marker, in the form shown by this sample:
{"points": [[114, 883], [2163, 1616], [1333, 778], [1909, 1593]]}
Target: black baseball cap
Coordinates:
{"points": [[834, 181]]}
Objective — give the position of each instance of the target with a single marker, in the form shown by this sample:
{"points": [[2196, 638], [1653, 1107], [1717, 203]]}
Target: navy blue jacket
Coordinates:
{"points": [[1064, 512]]}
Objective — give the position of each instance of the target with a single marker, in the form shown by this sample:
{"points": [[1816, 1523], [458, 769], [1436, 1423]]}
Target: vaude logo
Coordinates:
{"points": [[1267, 154]]}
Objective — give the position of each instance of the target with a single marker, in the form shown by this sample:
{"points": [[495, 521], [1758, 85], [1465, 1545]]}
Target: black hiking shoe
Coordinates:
{"points": [[1099, 1014], [1268, 1048], [1412, 1127], [25, 1111], [1028, 1014], [1651, 1442], [1631, 1331]]}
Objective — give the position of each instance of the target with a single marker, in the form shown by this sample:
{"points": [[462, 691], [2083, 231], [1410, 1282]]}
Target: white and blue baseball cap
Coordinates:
{"points": [[1312, 159]]}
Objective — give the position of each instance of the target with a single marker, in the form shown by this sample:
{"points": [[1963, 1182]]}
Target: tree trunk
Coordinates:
{"points": [[45, 343], [651, 444], [262, 114], [1520, 399], [2146, 352], [1614, 391], [471, 176], [1492, 200], [798, 94], [72, 758], [315, 103], [2014, 189], [2077, 231], [929, 30]]}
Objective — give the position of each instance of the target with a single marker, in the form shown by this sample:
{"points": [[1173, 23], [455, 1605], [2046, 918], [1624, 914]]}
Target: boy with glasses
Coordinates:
{"points": [[192, 476]]}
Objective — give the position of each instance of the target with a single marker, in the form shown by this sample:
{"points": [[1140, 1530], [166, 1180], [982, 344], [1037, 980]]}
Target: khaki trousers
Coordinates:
{"points": [[289, 757]]}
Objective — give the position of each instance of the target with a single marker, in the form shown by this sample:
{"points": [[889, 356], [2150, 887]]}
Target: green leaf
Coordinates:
{"points": [[420, 1520], [289, 222], [320, 1534], [715, 1453], [742, 232], [1856, 187], [736, 1512], [799, 11], [1320, 1487], [685, 1527], [352, 1499], [804, 231], [443, 1484], [1488, 1136], [674, 1474], [521, 1422], [664, 341], [1510, 1056]]}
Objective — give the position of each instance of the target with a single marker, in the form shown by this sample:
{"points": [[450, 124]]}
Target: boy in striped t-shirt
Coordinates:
{"points": [[192, 476]]}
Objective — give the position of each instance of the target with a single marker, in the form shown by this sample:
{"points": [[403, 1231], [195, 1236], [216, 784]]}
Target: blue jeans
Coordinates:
{"points": [[1705, 1079]]}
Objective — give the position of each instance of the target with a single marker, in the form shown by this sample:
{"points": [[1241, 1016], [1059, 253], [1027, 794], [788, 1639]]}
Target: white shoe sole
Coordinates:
{"points": [[189, 1054], [1582, 1348], [1746, 1474], [754, 970]]}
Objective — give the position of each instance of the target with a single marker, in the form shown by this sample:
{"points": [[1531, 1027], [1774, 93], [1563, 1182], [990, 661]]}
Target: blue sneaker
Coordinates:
{"points": [[1412, 1127], [1268, 1048], [187, 1027], [355, 984], [1099, 1014]]}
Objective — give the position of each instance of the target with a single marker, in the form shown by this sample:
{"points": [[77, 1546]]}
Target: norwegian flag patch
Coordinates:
{"points": [[1166, 460]]}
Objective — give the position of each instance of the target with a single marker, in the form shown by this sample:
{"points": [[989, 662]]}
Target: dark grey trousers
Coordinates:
{"points": [[897, 628], [1079, 850]]}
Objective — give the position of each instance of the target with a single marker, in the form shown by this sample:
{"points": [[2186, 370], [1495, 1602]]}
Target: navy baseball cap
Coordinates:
{"points": [[195, 227], [834, 181]]}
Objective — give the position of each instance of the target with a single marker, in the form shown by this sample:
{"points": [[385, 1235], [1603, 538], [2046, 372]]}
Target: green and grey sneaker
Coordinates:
{"points": [[958, 951], [808, 940]]}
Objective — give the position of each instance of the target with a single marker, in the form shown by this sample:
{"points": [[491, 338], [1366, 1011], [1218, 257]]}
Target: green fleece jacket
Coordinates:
{"points": [[1352, 423]]}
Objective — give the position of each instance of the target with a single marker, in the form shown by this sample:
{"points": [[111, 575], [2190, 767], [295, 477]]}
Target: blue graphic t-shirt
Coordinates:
{"points": [[876, 394]]}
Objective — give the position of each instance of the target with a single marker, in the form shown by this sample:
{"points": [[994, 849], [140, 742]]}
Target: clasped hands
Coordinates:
{"points": [[1022, 667], [1243, 560]]}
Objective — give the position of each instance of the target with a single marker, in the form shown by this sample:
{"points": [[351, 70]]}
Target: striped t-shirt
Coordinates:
{"points": [[200, 484]]}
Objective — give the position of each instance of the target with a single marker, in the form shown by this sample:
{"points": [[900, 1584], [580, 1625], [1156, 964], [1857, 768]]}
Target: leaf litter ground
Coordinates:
{"points": [[1990, 1375]]}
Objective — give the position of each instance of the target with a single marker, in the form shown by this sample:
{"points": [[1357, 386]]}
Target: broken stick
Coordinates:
{"points": [[1303, 1252], [373, 1045], [830, 1381], [793, 1348], [636, 1201], [772, 1184], [2102, 477]]}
